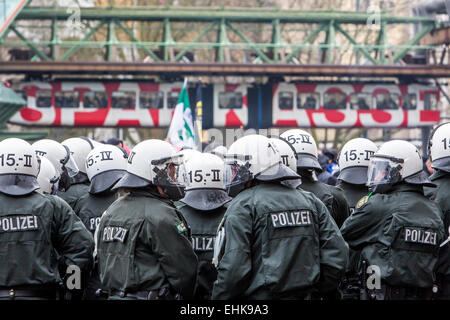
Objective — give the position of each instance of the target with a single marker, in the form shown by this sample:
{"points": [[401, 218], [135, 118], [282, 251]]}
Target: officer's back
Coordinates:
{"points": [[280, 242], [143, 245], [203, 208], [33, 227], [397, 228]]}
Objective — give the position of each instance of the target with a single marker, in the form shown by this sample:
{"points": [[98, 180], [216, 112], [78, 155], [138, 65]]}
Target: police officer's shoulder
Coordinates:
{"points": [[56, 201], [369, 200]]}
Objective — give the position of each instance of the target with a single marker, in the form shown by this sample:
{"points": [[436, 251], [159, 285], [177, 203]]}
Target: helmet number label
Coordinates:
{"points": [[198, 176], [352, 155], [446, 143], [302, 138], [10, 160], [104, 156]]}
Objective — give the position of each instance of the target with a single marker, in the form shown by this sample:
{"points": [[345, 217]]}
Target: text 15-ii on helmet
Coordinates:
{"points": [[354, 160], [105, 165], [394, 162], [155, 162], [19, 167], [205, 189]]}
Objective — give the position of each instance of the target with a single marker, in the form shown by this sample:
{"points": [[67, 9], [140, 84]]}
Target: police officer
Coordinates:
{"points": [[275, 242], [59, 155], [32, 227], [307, 166], [396, 227], [353, 163], [203, 208], [79, 184], [439, 150], [106, 164], [143, 242]]}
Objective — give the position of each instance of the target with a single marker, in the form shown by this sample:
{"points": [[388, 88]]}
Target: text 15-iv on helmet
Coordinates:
{"points": [[439, 147], [394, 162], [354, 159], [48, 177], [19, 167], [105, 165], [253, 157], [155, 162], [305, 148], [205, 189], [59, 155]]}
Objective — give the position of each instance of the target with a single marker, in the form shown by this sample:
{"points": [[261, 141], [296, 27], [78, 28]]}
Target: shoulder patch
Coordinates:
{"points": [[181, 227], [362, 202]]}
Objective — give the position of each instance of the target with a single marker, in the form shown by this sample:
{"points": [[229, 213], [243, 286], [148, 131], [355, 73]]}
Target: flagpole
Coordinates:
{"points": [[199, 117]]}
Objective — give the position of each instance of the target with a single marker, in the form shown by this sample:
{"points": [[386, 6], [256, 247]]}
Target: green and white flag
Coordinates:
{"points": [[181, 130]]}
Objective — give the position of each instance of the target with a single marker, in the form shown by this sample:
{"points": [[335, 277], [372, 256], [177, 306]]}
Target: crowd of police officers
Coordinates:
{"points": [[86, 220]]}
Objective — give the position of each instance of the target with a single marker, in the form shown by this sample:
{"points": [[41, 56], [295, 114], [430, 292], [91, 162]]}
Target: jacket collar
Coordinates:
{"points": [[439, 174], [404, 187]]}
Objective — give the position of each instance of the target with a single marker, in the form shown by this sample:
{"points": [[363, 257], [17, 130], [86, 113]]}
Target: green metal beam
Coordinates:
{"points": [[401, 53], [54, 36], [222, 40], [29, 44], [149, 13], [330, 42], [167, 38], [137, 42], [276, 39], [80, 43], [111, 40], [353, 41]]}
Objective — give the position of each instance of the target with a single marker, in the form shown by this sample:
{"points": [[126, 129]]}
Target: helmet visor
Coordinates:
{"points": [[69, 163], [170, 174], [236, 173], [55, 183], [380, 171]]}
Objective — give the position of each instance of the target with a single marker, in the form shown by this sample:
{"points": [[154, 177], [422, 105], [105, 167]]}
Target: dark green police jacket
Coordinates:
{"points": [[203, 226], [400, 232], [441, 195], [35, 228], [353, 193], [74, 193], [143, 244], [278, 243], [331, 196]]}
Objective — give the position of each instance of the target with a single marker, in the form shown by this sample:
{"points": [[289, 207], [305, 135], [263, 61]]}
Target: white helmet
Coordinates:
{"points": [[59, 155], [396, 161], [19, 167], [220, 151], [205, 189], [79, 149], [439, 147], [354, 159], [253, 157], [48, 177], [305, 147], [106, 164], [287, 153], [189, 153], [154, 162]]}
